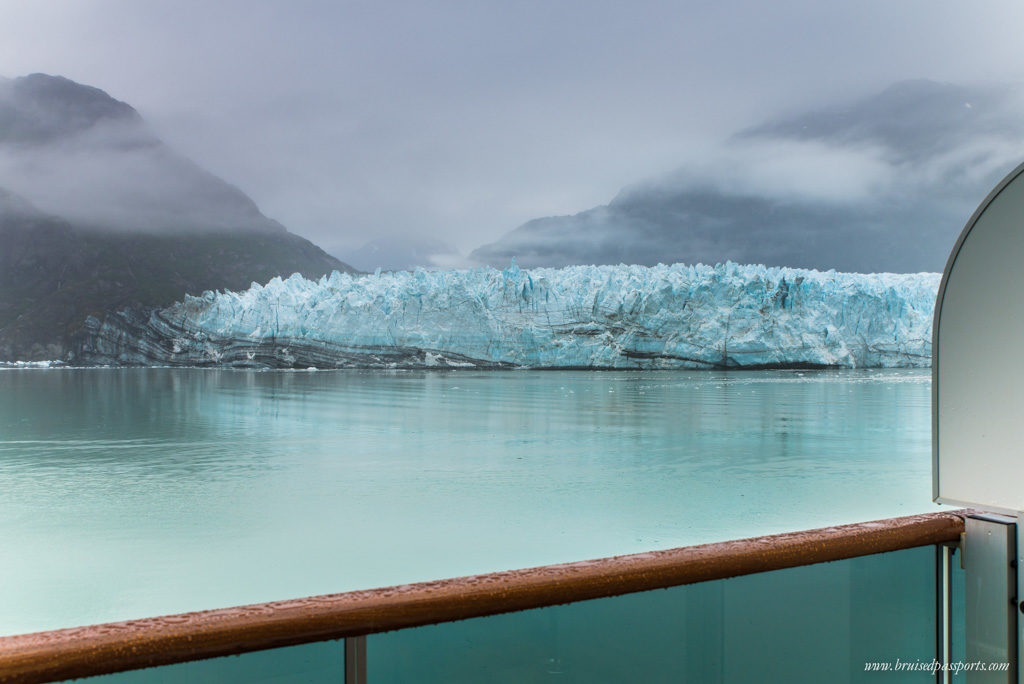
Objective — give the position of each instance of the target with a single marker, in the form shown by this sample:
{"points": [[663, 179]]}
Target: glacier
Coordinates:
{"points": [[598, 317]]}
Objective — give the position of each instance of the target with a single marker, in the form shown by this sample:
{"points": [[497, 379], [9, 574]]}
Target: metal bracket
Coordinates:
{"points": [[956, 546]]}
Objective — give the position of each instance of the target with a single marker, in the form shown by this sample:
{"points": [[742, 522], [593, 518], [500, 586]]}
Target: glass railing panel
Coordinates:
{"points": [[319, 662], [814, 623]]}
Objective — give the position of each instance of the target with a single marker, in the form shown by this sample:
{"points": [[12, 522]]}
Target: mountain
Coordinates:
{"points": [[96, 213], [884, 183], [76, 152]]}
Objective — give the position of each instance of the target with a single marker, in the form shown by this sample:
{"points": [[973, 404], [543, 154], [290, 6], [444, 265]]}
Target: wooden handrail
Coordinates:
{"points": [[120, 646]]}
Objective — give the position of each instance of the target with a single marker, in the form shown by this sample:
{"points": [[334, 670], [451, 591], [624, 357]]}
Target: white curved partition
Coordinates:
{"points": [[977, 364]]}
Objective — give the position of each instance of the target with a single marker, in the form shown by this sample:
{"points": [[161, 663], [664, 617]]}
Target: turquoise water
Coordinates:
{"points": [[128, 493]]}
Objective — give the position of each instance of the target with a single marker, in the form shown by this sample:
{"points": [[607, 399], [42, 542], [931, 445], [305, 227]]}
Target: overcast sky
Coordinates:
{"points": [[461, 120]]}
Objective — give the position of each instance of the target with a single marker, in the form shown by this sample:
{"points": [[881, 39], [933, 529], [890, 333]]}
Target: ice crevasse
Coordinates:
{"points": [[678, 316]]}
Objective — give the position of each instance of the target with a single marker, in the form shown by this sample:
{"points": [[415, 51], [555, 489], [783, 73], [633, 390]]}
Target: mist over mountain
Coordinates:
{"points": [[96, 213], [404, 253], [76, 152], [881, 184]]}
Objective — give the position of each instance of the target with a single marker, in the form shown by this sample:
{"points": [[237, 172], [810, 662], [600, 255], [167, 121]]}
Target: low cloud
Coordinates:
{"points": [[793, 170]]}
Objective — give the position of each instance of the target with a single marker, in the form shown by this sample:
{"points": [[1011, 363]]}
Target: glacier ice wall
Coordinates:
{"points": [[724, 316]]}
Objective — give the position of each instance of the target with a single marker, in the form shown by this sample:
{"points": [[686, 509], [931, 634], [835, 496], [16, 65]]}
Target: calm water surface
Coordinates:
{"points": [[128, 493]]}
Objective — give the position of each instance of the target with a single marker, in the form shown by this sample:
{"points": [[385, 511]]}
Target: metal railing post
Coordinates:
{"points": [[355, 660]]}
